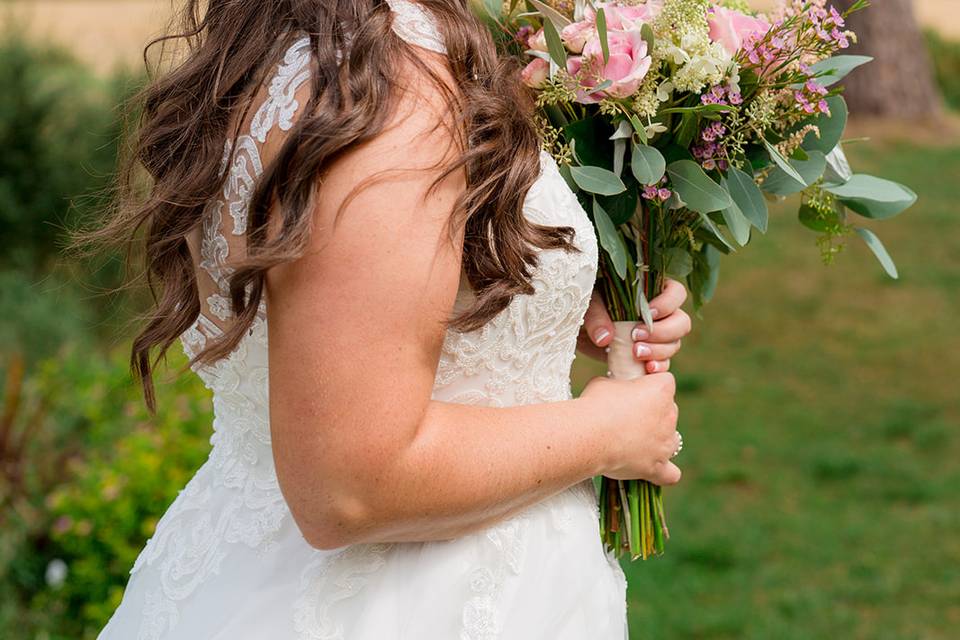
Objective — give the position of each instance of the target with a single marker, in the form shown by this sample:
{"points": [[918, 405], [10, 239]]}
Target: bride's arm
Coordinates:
{"points": [[362, 453]]}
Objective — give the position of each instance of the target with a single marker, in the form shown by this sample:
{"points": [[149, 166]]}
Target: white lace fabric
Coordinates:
{"points": [[227, 560]]}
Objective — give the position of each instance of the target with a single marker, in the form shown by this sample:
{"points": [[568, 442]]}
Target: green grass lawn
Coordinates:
{"points": [[820, 408]]}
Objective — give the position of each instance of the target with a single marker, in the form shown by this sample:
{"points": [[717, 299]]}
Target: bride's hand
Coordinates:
{"points": [[670, 325]]}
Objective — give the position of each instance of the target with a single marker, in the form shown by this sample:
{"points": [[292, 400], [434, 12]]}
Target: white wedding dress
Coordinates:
{"points": [[227, 561]]}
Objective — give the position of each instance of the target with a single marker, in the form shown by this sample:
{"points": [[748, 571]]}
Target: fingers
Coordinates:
{"points": [[597, 323], [670, 299], [672, 328], [667, 474], [658, 366], [653, 351], [666, 380]]}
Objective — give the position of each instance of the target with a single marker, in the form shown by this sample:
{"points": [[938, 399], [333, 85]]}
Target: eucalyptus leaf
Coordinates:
{"points": [[715, 231], [679, 262], [610, 240], [748, 197], [554, 44], [838, 167], [814, 220], [873, 197], [601, 20], [810, 170], [597, 180], [831, 127], [737, 223], [493, 8], [638, 127], [624, 130], [879, 251], [564, 170], [553, 16], [646, 32], [782, 162], [647, 164], [706, 272], [643, 306], [619, 151], [832, 70], [695, 187], [688, 128]]}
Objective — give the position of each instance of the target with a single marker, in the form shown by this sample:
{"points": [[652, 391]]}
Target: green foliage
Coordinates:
{"points": [[832, 70], [95, 475], [58, 133], [945, 56], [647, 164], [59, 128], [40, 314], [597, 180], [696, 189]]}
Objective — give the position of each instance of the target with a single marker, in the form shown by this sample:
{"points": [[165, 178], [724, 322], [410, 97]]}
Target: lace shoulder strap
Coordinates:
{"points": [[415, 25], [224, 225]]}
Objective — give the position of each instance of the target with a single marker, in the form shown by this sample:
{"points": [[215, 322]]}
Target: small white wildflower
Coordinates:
{"points": [[56, 573], [653, 129], [665, 90]]}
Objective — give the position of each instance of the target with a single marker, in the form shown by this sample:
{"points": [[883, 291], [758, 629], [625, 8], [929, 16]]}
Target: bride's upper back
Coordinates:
{"points": [[521, 355], [220, 243]]}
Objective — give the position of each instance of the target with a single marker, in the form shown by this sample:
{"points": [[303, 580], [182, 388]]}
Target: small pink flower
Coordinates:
{"points": [[523, 34], [732, 29], [535, 73], [626, 67]]}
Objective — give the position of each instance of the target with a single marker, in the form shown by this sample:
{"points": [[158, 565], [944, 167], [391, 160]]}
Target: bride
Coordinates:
{"points": [[357, 183]]}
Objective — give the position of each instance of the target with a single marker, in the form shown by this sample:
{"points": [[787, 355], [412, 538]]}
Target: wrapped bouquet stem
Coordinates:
{"points": [[631, 510], [632, 513], [674, 122]]}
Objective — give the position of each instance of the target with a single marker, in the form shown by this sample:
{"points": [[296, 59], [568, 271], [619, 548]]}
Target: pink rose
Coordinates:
{"points": [[535, 73], [622, 17], [626, 67], [538, 41], [731, 28], [576, 34]]}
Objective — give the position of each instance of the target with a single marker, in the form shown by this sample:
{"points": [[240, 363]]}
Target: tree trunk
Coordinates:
{"points": [[899, 82]]}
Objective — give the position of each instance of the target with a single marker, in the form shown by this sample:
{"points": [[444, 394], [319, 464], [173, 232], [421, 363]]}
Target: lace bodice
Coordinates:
{"points": [[522, 356]]}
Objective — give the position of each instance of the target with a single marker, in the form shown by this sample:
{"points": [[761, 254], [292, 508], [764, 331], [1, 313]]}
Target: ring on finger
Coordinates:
{"points": [[679, 445]]}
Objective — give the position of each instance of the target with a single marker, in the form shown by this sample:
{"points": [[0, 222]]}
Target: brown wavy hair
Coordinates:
{"points": [[186, 116]]}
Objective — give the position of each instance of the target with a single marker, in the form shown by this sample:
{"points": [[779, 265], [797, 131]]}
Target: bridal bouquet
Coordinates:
{"points": [[674, 121]]}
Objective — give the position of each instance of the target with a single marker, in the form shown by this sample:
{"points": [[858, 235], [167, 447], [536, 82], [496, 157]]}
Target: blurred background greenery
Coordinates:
{"points": [[820, 406]]}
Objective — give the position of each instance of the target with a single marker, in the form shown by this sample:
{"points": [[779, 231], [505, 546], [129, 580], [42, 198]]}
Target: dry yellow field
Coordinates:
{"points": [[111, 32]]}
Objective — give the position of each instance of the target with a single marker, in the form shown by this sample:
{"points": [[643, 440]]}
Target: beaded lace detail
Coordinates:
{"points": [[522, 356], [412, 23]]}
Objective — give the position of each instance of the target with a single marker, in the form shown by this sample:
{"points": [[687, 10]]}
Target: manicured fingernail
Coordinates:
{"points": [[641, 350], [639, 333], [654, 312], [652, 367], [601, 335]]}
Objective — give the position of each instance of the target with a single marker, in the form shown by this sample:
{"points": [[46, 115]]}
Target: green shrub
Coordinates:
{"points": [[58, 131], [95, 476], [945, 55]]}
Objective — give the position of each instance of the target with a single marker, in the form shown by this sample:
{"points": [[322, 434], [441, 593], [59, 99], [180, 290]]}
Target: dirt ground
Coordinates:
{"points": [[112, 32]]}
